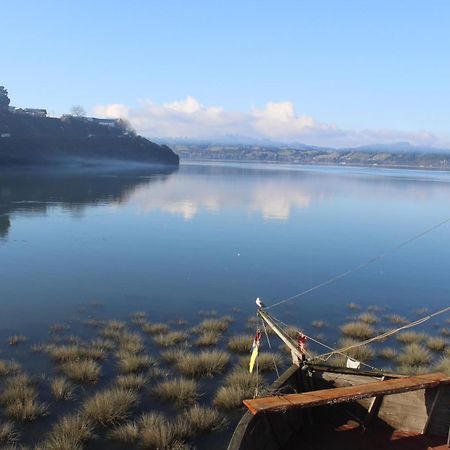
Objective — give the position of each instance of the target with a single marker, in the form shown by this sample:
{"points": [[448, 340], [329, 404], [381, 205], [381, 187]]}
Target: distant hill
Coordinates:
{"points": [[396, 155], [28, 137]]}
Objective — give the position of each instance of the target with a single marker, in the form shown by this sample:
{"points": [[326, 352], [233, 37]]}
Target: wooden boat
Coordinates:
{"points": [[318, 407]]}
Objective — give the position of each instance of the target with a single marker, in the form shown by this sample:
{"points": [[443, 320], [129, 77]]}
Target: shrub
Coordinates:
{"points": [[177, 390], [240, 343], [207, 362], [358, 330], [110, 407], [69, 433], [83, 371], [61, 388]]}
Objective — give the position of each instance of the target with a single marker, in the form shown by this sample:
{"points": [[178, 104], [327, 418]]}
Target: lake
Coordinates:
{"points": [[213, 237]]}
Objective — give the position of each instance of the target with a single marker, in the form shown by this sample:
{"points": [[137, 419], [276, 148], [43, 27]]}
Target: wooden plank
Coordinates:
{"points": [[345, 394]]}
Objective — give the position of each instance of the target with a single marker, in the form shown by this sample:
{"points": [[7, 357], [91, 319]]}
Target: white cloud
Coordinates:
{"points": [[277, 121]]}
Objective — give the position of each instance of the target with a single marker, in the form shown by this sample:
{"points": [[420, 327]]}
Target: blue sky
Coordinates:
{"points": [[325, 72]]}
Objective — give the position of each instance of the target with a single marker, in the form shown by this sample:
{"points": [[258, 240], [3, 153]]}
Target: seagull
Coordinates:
{"points": [[260, 303]]}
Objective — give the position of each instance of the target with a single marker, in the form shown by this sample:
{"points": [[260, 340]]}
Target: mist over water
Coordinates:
{"points": [[216, 236]]}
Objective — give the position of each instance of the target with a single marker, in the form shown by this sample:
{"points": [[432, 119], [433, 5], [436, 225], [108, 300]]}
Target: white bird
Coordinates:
{"points": [[260, 303]]}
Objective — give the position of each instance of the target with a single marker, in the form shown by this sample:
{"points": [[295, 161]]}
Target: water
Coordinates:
{"points": [[215, 236]]}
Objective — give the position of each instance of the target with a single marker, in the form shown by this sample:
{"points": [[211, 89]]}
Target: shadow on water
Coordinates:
{"points": [[35, 191]]}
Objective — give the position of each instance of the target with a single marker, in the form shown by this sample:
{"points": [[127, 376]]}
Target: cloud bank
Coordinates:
{"points": [[188, 118]]}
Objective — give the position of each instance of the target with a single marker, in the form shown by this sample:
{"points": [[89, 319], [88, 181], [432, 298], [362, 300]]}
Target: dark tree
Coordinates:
{"points": [[4, 99], [78, 111]]}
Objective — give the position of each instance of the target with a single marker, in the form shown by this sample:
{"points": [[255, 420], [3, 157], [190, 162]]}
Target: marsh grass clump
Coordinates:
{"points": [[157, 432], [130, 342], [396, 319], [207, 339], [8, 433], [358, 330], [8, 367], [443, 365], [110, 407], [17, 339], [74, 352], [169, 339], [131, 381], [155, 328], [100, 344], [205, 363], [214, 325], [69, 433], [178, 390], [319, 324], [127, 433], [113, 329], [414, 356], [59, 327], [198, 419], [387, 353], [20, 399], [173, 354], [240, 343], [61, 388], [241, 377], [436, 344], [445, 332], [411, 337], [266, 361], [353, 306], [369, 318], [230, 397], [83, 371], [361, 353], [93, 323], [130, 362]]}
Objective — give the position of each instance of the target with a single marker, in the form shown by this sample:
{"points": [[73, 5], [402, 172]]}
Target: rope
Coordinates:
{"points": [[388, 333], [362, 265], [270, 347]]}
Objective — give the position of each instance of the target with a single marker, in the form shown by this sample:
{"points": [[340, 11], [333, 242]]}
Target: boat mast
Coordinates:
{"points": [[297, 355]]}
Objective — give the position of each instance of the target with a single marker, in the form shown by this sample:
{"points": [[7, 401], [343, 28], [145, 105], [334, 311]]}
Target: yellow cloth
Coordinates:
{"points": [[253, 359]]}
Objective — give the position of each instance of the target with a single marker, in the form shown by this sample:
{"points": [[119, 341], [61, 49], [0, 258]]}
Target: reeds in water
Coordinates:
{"points": [[240, 343], [61, 388], [8, 433], [157, 432], [369, 318], [110, 407], [132, 381], [414, 358], [396, 319], [410, 337], [69, 433], [436, 344], [131, 362], [214, 325], [178, 390], [171, 338], [155, 328], [127, 433], [16, 339], [205, 363], [83, 371], [358, 330], [387, 353], [361, 353], [8, 367], [198, 419], [207, 339]]}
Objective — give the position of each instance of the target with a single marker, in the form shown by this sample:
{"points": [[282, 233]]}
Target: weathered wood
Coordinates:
{"points": [[345, 394], [432, 409], [374, 407]]}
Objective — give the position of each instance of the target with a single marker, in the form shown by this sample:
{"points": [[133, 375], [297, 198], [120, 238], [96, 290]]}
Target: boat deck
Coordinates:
{"points": [[352, 436]]}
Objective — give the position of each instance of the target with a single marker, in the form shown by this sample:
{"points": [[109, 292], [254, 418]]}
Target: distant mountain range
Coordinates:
{"points": [[401, 154]]}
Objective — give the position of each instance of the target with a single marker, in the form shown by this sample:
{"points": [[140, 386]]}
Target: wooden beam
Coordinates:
{"points": [[345, 394]]}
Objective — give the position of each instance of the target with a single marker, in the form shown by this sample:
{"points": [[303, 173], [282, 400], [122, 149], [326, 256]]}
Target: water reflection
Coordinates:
{"points": [[37, 192]]}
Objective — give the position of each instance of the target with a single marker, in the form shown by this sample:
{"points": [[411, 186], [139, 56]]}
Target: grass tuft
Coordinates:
{"points": [[169, 339], [362, 353], [8, 433], [16, 339], [387, 353], [128, 433], [178, 390], [207, 339], [205, 363], [131, 381], [436, 344], [414, 356], [396, 319], [198, 419], [69, 433], [318, 324], [156, 432], [61, 388], [130, 362], [240, 344], [110, 407], [230, 397], [358, 330], [410, 337], [353, 306], [215, 325], [368, 318], [82, 371], [8, 367], [155, 328]]}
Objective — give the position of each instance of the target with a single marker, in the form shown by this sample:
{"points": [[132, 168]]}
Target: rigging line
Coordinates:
{"points": [[326, 356], [363, 264], [390, 332], [270, 347]]}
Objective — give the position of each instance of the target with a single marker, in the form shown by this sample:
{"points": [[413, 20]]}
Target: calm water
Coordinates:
{"points": [[215, 236]]}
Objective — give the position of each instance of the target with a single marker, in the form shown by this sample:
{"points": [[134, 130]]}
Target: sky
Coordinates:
{"points": [[322, 72]]}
